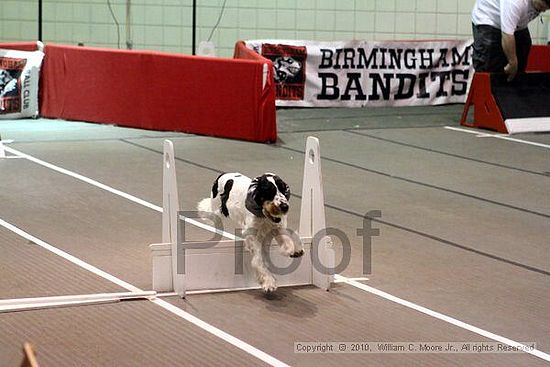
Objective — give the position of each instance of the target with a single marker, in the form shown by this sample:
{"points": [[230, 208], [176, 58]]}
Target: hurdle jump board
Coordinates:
{"points": [[3, 154], [2, 149], [509, 107], [523, 102], [210, 266]]}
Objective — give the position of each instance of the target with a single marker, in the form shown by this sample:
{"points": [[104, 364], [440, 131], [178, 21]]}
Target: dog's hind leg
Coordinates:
{"points": [[265, 278]]}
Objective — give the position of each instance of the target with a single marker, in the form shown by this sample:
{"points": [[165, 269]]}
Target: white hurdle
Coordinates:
{"points": [[217, 266], [3, 149]]}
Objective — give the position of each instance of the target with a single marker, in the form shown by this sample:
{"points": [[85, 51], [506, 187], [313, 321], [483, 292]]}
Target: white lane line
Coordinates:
{"points": [[84, 179], [468, 131], [69, 257], [167, 306], [496, 136], [442, 317], [113, 191], [221, 334], [343, 279], [337, 277]]}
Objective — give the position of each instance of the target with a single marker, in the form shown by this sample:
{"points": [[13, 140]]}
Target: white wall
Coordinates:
{"points": [[165, 25]]}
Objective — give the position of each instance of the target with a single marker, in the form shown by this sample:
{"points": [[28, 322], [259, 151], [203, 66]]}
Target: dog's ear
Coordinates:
{"points": [[282, 186], [264, 190], [215, 186], [252, 198], [255, 197]]}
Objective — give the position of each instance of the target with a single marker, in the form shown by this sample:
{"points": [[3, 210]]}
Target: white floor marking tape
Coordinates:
{"points": [[2, 150], [441, 316], [496, 136], [113, 190], [167, 306], [221, 334], [341, 278], [69, 257]]}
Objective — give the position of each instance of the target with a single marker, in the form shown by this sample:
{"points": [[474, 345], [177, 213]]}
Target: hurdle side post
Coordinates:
{"points": [[165, 259], [170, 214], [2, 151], [312, 214]]}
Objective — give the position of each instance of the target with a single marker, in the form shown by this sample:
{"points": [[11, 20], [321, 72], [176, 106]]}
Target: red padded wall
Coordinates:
{"points": [[160, 91], [268, 94], [22, 46]]}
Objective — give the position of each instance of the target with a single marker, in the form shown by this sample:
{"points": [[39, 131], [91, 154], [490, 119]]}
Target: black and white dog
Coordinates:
{"points": [[259, 207]]}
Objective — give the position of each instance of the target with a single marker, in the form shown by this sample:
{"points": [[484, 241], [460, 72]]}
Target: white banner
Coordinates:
{"points": [[19, 77], [368, 73]]}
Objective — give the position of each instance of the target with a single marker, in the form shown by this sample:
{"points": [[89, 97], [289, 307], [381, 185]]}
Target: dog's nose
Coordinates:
{"points": [[283, 207]]}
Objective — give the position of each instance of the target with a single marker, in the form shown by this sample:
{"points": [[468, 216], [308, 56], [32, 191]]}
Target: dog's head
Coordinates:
{"points": [[268, 197]]}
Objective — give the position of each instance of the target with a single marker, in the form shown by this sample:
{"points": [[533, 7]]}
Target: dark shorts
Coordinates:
{"points": [[488, 54]]}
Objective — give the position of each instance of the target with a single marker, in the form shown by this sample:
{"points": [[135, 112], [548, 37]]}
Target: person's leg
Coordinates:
{"points": [[523, 46], [488, 55]]}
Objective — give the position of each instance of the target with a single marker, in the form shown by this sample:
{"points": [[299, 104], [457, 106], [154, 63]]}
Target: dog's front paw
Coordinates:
{"points": [[297, 253], [291, 250], [268, 284]]}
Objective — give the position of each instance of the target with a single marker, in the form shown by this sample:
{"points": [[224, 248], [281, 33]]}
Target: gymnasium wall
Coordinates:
{"points": [[165, 25]]}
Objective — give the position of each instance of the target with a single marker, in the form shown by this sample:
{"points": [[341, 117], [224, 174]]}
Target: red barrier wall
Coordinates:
{"points": [[22, 46], [268, 94], [153, 90], [159, 91]]}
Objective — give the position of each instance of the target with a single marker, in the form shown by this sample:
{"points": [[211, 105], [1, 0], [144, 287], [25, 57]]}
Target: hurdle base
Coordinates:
{"points": [[528, 125], [229, 268], [162, 267]]}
